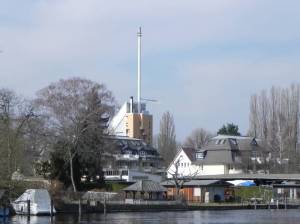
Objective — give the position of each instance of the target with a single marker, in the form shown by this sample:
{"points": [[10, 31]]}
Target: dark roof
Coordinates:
{"points": [[146, 186], [287, 184], [243, 176], [199, 183], [190, 152], [126, 143], [243, 143], [224, 149], [219, 157]]}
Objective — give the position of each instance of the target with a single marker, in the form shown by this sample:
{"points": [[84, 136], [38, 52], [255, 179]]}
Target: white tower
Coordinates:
{"points": [[139, 34]]}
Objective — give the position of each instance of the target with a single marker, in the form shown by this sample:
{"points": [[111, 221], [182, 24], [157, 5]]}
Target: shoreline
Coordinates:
{"points": [[73, 208]]}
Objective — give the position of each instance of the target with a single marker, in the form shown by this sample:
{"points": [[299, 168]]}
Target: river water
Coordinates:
{"points": [[180, 217]]}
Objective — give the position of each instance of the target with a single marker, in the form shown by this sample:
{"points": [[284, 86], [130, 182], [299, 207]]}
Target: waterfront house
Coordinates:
{"points": [[130, 159], [289, 190], [230, 155], [200, 191], [182, 163], [222, 155], [144, 190]]}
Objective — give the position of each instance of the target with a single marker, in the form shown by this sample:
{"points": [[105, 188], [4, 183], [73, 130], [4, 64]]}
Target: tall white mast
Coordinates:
{"points": [[139, 34]]}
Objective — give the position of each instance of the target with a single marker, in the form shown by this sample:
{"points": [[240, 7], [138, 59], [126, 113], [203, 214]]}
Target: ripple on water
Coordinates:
{"points": [[180, 217]]}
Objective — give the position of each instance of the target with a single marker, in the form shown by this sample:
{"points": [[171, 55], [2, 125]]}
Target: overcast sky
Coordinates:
{"points": [[201, 59]]}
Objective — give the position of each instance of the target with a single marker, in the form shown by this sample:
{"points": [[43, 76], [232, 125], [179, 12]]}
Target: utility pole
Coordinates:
{"points": [[139, 34]]}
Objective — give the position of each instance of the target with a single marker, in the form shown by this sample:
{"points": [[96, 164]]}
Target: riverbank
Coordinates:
{"points": [[112, 208]]}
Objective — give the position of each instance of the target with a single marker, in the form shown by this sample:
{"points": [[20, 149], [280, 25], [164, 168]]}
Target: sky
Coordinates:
{"points": [[201, 59]]}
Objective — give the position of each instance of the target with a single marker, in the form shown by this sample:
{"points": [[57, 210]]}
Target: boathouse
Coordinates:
{"points": [[145, 190], [200, 191]]}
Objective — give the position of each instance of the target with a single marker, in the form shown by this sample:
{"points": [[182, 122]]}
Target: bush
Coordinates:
{"points": [[16, 188]]}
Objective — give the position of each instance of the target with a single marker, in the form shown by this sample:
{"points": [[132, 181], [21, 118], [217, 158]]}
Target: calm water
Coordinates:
{"points": [[199, 217]]}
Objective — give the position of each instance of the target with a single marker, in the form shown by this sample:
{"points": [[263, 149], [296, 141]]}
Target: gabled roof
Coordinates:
{"points": [[146, 186], [190, 152]]}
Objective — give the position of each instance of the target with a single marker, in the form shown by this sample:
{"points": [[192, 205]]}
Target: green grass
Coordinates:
{"points": [[246, 193], [115, 187]]}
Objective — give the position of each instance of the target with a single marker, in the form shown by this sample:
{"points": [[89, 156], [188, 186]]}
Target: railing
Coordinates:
{"points": [[126, 156], [132, 202]]}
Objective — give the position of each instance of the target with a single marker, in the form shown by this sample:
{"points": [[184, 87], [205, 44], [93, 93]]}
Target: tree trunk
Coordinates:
{"points": [[72, 172]]}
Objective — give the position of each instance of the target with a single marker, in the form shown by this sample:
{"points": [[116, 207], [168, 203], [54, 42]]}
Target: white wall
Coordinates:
{"points": [[134, 176], [214, 169], [203, 170], [185, 167], [117, 125], [235, 171]]}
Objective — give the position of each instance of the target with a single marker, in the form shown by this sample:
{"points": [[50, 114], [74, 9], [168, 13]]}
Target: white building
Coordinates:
{"points": [[222, 155], [130, 159], [132, 123], [182, 163]]}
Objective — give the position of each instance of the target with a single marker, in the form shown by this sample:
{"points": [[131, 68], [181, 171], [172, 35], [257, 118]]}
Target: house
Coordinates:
{"points": [[182, 163], [232, 155], [144, 190], [130, 159], [222, 155], [200, 191], [289, 190]]}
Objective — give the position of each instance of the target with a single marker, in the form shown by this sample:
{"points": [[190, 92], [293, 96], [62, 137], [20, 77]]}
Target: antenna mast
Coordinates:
{"points": [[139, 34]]}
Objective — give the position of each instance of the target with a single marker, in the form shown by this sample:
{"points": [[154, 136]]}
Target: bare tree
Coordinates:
{"points": [[254, 121], [177, 179], [72, 109], [15, 114], [198, 138], [166, 140], [278, 124]]}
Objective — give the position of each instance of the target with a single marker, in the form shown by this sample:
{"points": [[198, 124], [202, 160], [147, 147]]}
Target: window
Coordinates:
{"points": [[254, 142], [218, 141], [201, 154], [142, 153], [197, 192]]}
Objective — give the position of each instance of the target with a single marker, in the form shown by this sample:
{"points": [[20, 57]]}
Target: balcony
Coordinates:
{"points": [[127, 157]]}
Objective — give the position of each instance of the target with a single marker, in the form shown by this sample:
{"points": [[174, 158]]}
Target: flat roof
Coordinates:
{"points": [[281, 177]]}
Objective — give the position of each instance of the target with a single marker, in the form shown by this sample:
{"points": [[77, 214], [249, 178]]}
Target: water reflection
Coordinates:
{"points": [[180, 217]]}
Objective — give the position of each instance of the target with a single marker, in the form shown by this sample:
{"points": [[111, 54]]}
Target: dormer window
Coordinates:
{"points": [[254, 142], [218, 141], [142, 153], [201, 154]]}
